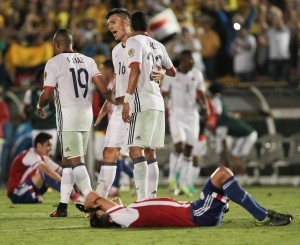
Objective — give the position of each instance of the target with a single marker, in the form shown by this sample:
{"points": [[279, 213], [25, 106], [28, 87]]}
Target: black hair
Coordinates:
{"points": [[120, 11], [216, 88], [42, 138], [102, 221], [64, 36], [140, 21], [186, 52], [108, 64]]}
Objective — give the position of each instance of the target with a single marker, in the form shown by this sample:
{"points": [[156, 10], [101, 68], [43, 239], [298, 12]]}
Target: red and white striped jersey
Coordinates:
{"points": [[154, 212], [24, 166]]}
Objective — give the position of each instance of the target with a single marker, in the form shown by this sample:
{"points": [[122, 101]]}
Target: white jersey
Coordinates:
{"points": [[183, 89], [147, 52], [71, 74], [120, 61]]}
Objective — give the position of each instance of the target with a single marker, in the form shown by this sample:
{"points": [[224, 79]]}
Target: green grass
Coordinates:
{"points": [[31, 224]]}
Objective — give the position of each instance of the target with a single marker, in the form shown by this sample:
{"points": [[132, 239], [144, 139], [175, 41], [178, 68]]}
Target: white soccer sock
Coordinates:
{"points": [[196, 173], [172, 165], [185, 165], [153, 176], [140, 174], [66, 185], [105, 179], [82, 179]]}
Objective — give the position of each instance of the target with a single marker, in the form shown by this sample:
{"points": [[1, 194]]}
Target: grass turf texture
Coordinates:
{"points": [[31, 224]]}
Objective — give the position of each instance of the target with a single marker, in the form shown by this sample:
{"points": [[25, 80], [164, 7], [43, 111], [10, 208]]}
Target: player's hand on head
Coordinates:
{"points": [[91, 200]]}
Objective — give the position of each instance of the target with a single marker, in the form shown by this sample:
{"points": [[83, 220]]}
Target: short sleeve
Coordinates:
{"points": [[166, 63], [134, 51], [50, 74], [94, 69], [32, 159]]}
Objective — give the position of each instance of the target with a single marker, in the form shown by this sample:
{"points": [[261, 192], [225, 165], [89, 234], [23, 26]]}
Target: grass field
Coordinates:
{"points": [[31, 224]]}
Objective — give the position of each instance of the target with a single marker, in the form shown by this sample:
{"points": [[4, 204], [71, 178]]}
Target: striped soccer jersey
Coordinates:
{"points": [[148, 53], [71, 75], [153, 212], [23, 167]]}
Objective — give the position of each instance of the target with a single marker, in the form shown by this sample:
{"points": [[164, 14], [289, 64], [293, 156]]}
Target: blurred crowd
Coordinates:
{"points": [[246, 40]]}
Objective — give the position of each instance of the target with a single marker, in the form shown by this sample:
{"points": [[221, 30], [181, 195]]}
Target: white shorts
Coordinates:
{"points": [[184, 128], [74, 144], [117, 129], [147, 129], [99, 142], [243, 145]]}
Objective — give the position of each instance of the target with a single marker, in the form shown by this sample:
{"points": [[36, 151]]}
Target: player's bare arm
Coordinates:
{"points": [[171, 72], [132, 84], [45, 98], [48, 171], [107, 93], [94, 200], [102, 113]]}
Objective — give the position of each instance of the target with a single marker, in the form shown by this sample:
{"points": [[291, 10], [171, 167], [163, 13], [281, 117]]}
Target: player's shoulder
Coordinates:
{"points": [[118, 48]]}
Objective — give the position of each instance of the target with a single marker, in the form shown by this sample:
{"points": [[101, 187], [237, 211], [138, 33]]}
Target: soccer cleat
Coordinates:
{"points": [[81, 208], [277, 219], [61, 211]]}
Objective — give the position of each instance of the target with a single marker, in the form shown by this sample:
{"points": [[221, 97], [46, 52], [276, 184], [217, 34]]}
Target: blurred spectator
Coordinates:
{"points": [[188, 41], [4, 118], [278, 37], [211, 44], [96, 46], [30, 101], [243, 50], [227, 23]]}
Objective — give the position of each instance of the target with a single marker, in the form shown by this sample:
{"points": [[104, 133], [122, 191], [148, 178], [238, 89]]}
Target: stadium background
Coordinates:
{"points": [[272, 107]]}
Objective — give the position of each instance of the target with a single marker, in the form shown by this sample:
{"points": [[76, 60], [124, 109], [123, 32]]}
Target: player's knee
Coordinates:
{"points": [[225, 172]]}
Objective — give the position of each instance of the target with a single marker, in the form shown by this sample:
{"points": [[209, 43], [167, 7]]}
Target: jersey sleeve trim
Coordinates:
{"points": [[135, 62], [47, 86], [97, 74], [114, 209]]}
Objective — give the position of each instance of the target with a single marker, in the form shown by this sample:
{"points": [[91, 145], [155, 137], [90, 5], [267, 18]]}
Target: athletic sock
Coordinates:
{"points": [[185, 165], [67, 182], [172, 165], [106, 178], [195, 174], [236, 193], [153, 176], [82, 179], [140, 173]]}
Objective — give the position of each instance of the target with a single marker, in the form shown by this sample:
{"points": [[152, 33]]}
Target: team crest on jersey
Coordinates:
{"points": [[131, 52], [45, 75]]}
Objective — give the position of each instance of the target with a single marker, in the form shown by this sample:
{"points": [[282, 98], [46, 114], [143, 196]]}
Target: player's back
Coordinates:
{"points": [[71, 73], [150, 53]]}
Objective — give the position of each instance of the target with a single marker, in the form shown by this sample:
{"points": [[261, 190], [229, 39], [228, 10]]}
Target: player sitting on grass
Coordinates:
{"points": [[208, 210], [33, 171]]}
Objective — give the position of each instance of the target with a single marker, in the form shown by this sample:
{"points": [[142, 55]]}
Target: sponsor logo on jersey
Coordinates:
{"points": [[138, 138], [67, 149], [131, 52]]}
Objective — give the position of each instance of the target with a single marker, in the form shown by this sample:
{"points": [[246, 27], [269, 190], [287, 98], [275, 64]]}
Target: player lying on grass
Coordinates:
{"points": [[208, 210]]}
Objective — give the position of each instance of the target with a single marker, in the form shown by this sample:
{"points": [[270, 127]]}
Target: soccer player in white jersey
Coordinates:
{"points": [[118, 21], [143, 103], [68, 76], [184, 91], [208, 210]]}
